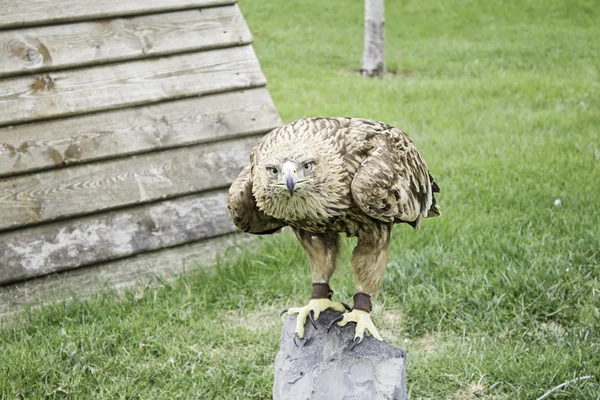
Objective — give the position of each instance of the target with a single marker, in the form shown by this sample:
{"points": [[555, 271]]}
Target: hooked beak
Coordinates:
{"points": [[291, 177]]}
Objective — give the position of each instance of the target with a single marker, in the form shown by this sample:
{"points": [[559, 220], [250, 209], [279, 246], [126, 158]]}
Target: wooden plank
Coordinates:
{"points": [[61, 46], [70, 244], [48, 144], [97, 187], [147, 269], [112, 86], [42, 12]]}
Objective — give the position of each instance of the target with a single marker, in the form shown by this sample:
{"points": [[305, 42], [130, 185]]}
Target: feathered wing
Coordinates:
{"points": [[393, 183], [243, 209]]}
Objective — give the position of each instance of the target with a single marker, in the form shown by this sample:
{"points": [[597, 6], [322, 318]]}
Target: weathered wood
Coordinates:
{"points": [[49, 144], [41, 12], [148, 269], [38, 251], [56, 47], [96, 187], [80, 91]]}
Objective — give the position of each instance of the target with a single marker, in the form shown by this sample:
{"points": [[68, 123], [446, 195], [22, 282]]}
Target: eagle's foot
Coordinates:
{"points": [[363, 325], [311, 311]]}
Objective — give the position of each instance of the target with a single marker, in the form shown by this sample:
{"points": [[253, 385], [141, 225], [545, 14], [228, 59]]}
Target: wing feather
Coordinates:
{"points": [[243, 209], [393, 183]]}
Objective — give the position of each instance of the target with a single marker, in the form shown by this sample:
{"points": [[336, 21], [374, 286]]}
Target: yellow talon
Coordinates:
{"points": [[363, 324], [316, 306]]}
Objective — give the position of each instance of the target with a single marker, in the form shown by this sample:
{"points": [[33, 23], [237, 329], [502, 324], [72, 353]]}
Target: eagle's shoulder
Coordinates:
{"points": [[392, 182], [243, 209]]}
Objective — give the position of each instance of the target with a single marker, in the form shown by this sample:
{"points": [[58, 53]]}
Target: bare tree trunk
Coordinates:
{"points": [[373, 59]]}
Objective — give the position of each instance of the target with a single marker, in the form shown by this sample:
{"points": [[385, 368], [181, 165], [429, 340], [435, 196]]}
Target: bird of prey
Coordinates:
{"points": [[326, 176]]}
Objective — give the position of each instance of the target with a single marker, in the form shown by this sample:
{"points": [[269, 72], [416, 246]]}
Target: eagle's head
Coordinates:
{"points": [[300, 180]]}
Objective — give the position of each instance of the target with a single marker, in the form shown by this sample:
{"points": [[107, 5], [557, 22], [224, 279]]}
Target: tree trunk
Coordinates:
{"points": [[373, 59]]}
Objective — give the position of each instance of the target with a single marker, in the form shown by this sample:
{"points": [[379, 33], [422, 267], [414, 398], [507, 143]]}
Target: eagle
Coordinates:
{"points": [[327, 176]]}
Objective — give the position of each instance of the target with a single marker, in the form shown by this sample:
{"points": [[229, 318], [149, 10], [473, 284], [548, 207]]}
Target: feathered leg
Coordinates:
{"points": [[369, 261], [321, 250]]}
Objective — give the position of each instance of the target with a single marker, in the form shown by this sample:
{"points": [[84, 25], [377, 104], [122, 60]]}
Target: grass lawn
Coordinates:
{"points": [[498, 299]]}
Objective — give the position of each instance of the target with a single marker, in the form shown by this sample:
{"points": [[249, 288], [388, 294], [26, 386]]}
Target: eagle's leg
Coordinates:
{"points": [[369, 261], [322, 250]]}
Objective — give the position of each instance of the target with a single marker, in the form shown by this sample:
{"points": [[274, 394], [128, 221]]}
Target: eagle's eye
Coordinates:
{"points": [[308, 166], [272, 171]]}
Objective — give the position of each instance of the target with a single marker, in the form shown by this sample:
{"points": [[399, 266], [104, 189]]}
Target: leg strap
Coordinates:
{"points": [[362, 301], [321, 291]]}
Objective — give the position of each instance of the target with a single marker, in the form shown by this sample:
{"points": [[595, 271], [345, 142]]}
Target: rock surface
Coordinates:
{"points": [[324, 367]]}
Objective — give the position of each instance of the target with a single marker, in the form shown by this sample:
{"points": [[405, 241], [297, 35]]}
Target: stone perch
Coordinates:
{"points": [[324, 367]]}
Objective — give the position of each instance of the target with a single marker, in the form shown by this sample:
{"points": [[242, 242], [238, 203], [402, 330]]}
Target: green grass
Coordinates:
{"points": [[499, 298]]}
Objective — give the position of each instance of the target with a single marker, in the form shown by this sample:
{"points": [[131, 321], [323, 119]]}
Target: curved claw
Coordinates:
{"points": [[296, 337], [283, 311], [311, 318], [347, 307], [337, 319], [356, 341]]}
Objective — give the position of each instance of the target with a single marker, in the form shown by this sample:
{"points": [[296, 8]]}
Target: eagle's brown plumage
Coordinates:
{"points": [[325, 176]]}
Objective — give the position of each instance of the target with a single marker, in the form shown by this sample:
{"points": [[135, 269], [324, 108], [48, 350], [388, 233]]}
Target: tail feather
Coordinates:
{"points": [[435, 210]]}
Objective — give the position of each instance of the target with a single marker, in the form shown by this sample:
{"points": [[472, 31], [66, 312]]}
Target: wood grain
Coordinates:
{"points": [[80, 91], [147, 269], [41, 12], [56, 47], [97, 187], [70, 244], [66, 141]]}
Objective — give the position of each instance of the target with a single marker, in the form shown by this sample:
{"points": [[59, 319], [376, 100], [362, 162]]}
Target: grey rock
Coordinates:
{"points": [[322, 366]]}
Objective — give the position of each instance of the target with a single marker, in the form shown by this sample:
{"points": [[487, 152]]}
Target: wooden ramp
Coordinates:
{"points": [[121, 126]]}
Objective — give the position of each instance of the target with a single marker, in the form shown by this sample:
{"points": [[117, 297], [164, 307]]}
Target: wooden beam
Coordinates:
{"points": [[113, 86], [43, 12], [97, 187], [38, 251], [66, 141], [147, 269], [55, 47]]}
